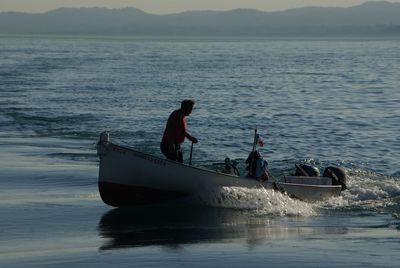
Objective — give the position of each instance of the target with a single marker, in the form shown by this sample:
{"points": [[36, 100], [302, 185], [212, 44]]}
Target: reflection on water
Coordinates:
{"points": [[175, 225]]}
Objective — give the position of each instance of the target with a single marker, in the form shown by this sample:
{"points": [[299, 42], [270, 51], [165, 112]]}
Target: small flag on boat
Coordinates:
{"points": [[260, 141]]}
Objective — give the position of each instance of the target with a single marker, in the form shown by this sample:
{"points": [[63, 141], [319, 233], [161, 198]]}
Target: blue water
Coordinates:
{"points": [[325, 102]]}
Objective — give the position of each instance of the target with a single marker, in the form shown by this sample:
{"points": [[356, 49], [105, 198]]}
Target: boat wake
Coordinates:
{"points": [[258, 201], [365, 185], [366, 191]]}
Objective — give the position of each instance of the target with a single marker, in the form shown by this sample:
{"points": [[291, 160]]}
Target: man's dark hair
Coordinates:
{"points": [[187, 104]]}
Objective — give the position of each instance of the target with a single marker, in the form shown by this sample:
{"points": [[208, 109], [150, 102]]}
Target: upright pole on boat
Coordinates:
{"points": [[251, 171], [191, 153], [255, 139]]}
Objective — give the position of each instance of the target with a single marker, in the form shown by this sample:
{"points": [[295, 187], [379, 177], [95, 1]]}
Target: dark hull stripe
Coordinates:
{"points": [[118, 195]]}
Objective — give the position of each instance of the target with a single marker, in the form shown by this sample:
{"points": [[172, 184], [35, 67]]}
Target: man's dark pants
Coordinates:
{"points": [[172, 151]]}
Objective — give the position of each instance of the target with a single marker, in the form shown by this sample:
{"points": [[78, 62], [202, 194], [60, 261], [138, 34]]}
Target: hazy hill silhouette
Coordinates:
{"points": [[369, 19]]}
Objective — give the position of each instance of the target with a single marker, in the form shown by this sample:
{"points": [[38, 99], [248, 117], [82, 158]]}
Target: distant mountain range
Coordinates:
{"points": [[369, 19]]}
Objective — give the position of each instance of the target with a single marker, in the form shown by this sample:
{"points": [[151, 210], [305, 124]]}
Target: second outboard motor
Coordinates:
{"points": [[338, 176], [306, 170]]}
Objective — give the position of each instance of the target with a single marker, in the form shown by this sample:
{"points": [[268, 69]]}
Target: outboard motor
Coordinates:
{"points": [[306, 170], [338, 176]]}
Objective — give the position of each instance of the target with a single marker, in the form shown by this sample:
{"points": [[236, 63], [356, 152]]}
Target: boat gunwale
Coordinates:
{"points": [[310, 185]]}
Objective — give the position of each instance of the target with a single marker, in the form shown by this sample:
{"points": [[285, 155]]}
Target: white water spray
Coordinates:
{"points": [[259, 201]]}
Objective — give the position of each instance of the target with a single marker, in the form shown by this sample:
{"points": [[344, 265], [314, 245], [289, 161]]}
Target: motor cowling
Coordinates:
{"points": [[338, 176], [307, 170]]}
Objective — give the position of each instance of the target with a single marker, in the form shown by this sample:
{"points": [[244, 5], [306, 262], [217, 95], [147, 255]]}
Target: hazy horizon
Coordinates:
{"points": [[174, 6]]}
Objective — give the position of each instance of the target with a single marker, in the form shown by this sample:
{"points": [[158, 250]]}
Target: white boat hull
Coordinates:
{"points": [[127, 176]]}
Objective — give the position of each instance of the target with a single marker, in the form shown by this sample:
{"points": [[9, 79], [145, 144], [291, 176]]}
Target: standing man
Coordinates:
{"points": [[176, 131]]}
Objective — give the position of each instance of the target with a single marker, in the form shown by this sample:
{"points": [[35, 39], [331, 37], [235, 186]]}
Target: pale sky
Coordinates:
{"points": [[172, 6]]}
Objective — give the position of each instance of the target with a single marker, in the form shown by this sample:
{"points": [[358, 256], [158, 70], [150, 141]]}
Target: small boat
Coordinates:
{"points": [[127, 176]]}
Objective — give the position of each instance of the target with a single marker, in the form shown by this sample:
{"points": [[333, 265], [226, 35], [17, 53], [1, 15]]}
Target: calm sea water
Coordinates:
{"points": [[325, 102]]}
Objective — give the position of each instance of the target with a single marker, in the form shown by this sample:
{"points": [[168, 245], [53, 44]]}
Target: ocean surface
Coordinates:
{"points": [[323, 102]]}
